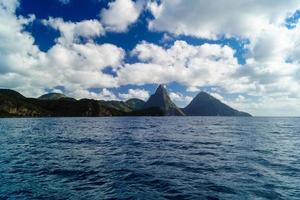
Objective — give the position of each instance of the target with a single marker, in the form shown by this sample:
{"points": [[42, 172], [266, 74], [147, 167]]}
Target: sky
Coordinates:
{"points": [[245, 53]]}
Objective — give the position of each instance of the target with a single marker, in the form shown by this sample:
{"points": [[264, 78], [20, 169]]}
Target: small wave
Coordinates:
{"points": [[181, 158], [221, 189]]}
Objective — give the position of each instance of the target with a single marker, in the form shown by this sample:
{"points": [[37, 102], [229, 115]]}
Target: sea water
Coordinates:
{"points": [[150, 158]]}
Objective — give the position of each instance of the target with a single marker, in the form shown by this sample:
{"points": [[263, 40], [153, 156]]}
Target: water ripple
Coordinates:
{"points": [[150, 158]]}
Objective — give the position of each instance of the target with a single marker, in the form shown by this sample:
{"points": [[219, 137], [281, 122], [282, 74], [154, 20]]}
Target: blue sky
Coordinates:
{"points": [[243, 53]]}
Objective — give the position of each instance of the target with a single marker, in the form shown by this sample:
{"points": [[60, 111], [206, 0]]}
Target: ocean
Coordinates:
{"points": [[150, 158]]}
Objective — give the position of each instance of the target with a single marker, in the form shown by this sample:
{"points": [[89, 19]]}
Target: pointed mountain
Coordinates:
{"points": [[206, 105], [162, 100]]}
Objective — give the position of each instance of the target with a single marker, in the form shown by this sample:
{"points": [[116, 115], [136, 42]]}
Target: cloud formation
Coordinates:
{"points": [[120, 14], [104, 94], [74, 31], [271, 68], [213, 19], [68, 63], [270, 74], [192, 66], [180, 99], [135, 93]]}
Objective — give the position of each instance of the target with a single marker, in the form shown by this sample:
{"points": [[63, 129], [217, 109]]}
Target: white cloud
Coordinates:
{"points": [[154, 8], [19, 57], [135, 93], [75, 64], [180, 99], [87, 56], [192, 66], [73, 31], [268, 106], [272, 59], [8, 6], [120, 14], [105, 94], [193, 89], [55, 90], [166, 38], [270, 75], [82, 64], [68, 63], [212, 19], [217, 96]]}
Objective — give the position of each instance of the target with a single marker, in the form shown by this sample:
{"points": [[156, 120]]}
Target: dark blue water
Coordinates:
{"points": [[150, 158]]}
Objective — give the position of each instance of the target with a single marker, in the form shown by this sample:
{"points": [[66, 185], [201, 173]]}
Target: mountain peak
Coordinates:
{"points": [[206, 105], [11, 93], [204, 95], [162, 100], [52, 96], [161, 89]]}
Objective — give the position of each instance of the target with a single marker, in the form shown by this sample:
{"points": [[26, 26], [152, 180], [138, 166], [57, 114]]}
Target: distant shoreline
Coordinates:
{"points": [[14, 104]]}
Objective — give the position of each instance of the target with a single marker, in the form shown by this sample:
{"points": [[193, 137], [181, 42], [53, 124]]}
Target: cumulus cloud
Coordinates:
{"points": [[9, 6], [212, 19], [120, 14], [268, 106], [135, 93], [105, 94], [73, 31], [180, 99], [272, 59], [18, 54], [192, 66], [79, 66], [74, 65], [271, 72], [217, 96], [82, 56]]}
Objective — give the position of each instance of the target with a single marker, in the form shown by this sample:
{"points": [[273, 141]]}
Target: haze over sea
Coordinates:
{"points": [[150, 158]]}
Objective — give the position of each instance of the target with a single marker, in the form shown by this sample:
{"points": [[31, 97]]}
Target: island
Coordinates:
{"points": [[14, 104]]}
